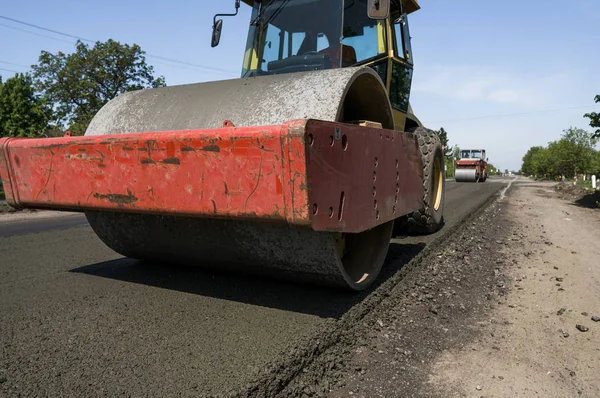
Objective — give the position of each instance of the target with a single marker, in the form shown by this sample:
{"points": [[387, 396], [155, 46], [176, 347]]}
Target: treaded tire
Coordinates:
{"points": [[428, 219]]}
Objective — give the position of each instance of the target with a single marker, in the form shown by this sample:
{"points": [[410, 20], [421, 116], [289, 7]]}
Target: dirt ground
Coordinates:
{"points": [[508, 309]]}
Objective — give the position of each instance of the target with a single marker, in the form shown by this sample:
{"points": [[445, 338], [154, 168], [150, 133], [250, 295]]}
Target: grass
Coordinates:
{"points": [[584, 184]]}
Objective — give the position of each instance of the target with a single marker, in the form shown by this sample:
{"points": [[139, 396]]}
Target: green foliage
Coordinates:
{"points": [[451, 155], [22, 113], [575, 151], [528, 166], [492, 170], [79, 84], [595, 167], [456, 152], [584, 183], [595, 119], [542, 161], [450, 167], [573, 154], [443, 134], [449, 158], [443, 137]]}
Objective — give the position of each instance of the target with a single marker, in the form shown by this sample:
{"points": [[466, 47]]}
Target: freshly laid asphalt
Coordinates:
{"points": [[77, 319]]}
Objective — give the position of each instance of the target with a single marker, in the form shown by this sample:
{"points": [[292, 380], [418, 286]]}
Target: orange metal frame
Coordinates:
{"points": [[478, 164], [328, 176]]}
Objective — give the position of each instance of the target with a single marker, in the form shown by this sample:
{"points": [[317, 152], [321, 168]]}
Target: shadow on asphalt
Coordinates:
{"points": [[262, 291]]}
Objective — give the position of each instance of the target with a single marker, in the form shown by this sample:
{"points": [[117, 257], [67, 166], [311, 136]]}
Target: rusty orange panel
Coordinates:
{"points": [[227, 172], [359, 177], [329, 176]]}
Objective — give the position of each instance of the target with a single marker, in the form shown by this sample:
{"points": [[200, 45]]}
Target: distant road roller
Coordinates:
{"points": [[472, 166], [298, 169]]}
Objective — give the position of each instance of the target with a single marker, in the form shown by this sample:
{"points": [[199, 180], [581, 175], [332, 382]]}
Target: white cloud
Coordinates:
{"points": [[504, 96], [472, 83], [500, 110], [474, 89]]}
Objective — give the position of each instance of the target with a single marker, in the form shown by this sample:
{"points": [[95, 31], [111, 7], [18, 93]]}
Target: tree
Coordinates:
{"points": [[578, 149], [450, 157], [595, 165], [594, 119], [540, 163], [79, 84], [22, 113], [528, 164], [443, 134], [456, 152], [450, 167], [574, 153]]}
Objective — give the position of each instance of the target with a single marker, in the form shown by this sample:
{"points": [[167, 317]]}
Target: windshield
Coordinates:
{"points": [[293, 35], [470, 154]]}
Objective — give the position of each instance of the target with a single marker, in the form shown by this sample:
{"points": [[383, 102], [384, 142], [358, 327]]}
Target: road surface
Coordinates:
{"points": [[78, 319]]}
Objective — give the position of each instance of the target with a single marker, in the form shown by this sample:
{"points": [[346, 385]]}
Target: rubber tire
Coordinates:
{"points": [[427, 220]]}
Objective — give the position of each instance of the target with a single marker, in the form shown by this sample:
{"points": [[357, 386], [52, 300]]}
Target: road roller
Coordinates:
{"points": [[304, 168], [472, 166]]}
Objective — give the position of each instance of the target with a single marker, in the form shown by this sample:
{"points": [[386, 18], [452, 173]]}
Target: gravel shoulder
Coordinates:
{"points": [[495, 313]]}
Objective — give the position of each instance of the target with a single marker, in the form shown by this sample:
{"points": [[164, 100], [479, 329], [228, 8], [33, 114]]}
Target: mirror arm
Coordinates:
{"points": [[237, 7]]}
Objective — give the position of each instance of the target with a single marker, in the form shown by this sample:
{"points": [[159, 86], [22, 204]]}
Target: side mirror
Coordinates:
{"points": [[218, 25], [216, 33], [378, 9]]}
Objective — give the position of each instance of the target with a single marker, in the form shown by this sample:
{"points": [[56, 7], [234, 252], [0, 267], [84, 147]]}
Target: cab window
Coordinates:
{"points": [[399, 50], [293, 36], [402, 39], [363, 38], [400, 86]]}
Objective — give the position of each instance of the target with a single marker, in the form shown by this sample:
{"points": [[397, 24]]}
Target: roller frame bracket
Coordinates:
{"points": [[324, 175]]}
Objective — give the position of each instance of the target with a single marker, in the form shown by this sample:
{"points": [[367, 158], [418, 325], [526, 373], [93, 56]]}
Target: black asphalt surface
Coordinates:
{"points": [[77, 319]]}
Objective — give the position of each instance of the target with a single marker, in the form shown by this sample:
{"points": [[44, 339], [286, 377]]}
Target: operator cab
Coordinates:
{"points": [[287, 36], [478, 154], [301, 35]]}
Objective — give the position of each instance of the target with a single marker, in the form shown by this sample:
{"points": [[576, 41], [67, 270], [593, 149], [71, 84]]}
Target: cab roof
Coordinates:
{"points": [[409, 5]]}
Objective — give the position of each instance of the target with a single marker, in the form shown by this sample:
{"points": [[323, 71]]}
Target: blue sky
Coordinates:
{"points": [[474, 59]]}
